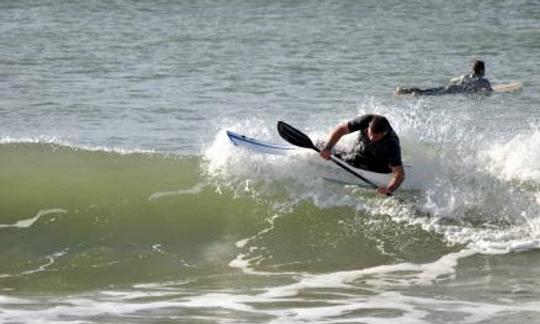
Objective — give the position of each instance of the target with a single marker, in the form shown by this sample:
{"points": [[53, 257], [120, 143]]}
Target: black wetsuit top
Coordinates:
{"points": [[374, 156]]}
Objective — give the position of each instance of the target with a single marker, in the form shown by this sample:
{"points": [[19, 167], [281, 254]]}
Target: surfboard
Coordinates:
{"points": [[402, 91], [508, 87], [499, 88], [322, 168]]}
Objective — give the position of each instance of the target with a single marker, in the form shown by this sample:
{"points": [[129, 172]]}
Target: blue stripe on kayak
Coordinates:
{"points": [[234, 136]]}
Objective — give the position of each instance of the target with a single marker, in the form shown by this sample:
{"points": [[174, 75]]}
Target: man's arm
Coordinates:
{"points": [[335, 136], [487, 86], [460, 80], [398, 175]]}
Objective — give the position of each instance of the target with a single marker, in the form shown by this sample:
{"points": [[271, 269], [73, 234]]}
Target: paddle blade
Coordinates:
{"points": [[294, 136]]}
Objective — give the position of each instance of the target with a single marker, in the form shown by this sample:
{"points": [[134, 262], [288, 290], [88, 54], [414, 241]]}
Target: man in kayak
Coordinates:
{"points": [[470, 83], [377, 148]]}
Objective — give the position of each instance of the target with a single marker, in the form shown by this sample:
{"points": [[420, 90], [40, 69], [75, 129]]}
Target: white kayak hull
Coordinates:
{"points": [[324, 169]]}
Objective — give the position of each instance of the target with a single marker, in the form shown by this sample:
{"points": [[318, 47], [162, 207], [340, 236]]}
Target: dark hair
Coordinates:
{"points": [[479, 67], [379, 124]]}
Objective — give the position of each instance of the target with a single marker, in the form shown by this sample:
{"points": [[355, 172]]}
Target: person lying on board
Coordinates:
{"points": [[377, 148], [470, 83]]}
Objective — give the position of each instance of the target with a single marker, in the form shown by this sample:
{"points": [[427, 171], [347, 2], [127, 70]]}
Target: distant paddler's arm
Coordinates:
{"points": [[398, 175], [336, 134]]}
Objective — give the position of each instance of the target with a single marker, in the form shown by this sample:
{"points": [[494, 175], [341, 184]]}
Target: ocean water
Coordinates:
{"points": [[123, 201]]}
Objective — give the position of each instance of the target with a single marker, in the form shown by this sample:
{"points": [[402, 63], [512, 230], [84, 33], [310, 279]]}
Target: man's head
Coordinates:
{"points": [[378, 128], [479, 68]]}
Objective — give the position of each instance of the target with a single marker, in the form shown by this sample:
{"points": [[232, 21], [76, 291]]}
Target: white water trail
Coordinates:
{"points": [[26, 223]]}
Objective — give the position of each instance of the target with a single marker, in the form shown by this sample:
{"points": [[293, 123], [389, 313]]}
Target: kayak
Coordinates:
{"points": [[322, 168], [260, 146]]}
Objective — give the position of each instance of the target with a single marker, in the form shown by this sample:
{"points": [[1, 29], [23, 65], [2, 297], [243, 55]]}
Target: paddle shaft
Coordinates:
{"points": [[296, 137], [345, 167]]}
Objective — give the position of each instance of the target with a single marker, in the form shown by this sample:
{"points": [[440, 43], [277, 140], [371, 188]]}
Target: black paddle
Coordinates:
{"points": [[296, 137]]}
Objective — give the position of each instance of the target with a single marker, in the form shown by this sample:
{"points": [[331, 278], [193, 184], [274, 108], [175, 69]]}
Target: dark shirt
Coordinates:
{"points": [[471, 83], [377, 156]]}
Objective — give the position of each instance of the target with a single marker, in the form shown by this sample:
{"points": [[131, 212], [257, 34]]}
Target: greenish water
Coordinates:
{"points": [[108, 220], [106, 237]]}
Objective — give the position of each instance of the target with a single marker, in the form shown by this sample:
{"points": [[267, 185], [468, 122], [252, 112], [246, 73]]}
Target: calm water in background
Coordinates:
{"points": [[122, 200]]}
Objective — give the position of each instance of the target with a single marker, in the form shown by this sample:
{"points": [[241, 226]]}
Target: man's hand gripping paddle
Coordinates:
{"points": [[296, 137]]}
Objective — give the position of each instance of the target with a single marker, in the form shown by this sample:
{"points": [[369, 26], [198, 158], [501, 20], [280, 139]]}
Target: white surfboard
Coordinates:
{"points": [[508, 87]]}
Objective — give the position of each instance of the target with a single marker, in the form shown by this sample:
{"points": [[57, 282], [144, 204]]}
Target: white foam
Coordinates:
{"points": [[192, 191], [50, 260], [13, 300], [374, 295], [516, 159], [381, 290], [379, 277], [135, 295], [34, 140], [242, 261], [26, 223], [166, 285], [76, 146]]}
